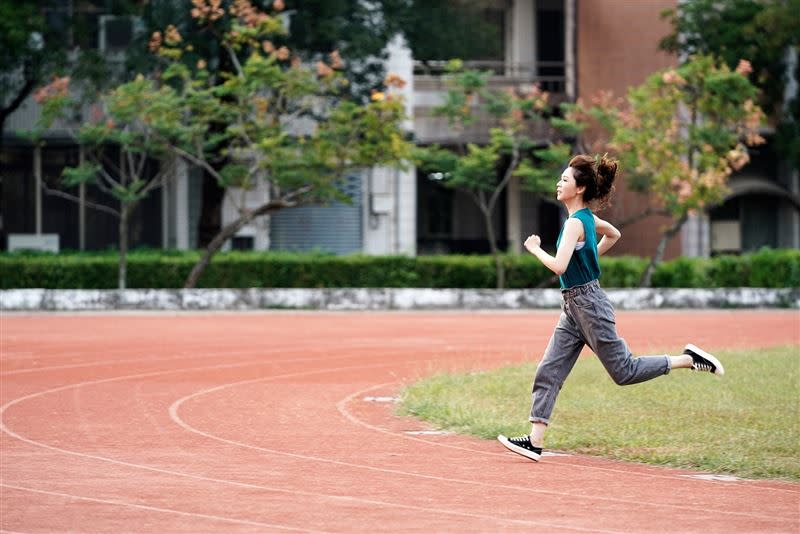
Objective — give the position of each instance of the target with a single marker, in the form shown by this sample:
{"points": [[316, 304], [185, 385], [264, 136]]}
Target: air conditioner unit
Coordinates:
{"points": [[116, 34], [40, 242], [726, 236]]}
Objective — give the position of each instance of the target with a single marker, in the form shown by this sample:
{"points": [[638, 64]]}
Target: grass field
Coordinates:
{"points": [[746, 423]]}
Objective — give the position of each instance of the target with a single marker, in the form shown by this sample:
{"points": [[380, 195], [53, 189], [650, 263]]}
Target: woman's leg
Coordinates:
{"points": [[596, 317], [559, 358]]}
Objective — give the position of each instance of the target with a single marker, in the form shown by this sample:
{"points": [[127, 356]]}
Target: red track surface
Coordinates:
{"points": [[262, 422]]}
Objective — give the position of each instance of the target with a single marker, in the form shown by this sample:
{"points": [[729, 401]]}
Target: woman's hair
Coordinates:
{"points": [[597, 175]]}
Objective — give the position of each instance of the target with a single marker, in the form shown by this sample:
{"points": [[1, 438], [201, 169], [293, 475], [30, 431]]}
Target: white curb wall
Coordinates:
{"points": [[381, 299]]}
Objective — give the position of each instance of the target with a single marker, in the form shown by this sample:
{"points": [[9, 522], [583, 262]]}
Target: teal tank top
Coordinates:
{"points": [[583, 266]]}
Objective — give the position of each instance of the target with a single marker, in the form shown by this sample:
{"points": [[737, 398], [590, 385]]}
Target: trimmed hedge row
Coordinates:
{"points": [[168, 269]]}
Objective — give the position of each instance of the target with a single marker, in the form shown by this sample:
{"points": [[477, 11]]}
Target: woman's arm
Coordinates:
{"points": [[572, 231], [610, 235]]}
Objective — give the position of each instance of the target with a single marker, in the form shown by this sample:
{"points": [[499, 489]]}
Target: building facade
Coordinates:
{"points": [[572, 48]]}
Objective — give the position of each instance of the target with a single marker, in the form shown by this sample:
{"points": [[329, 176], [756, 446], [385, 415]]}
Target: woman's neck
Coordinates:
{"points": [[574, 204]]}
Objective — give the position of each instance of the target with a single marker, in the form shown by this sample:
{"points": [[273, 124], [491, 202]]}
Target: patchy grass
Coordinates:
{"points": [[746, 424]]}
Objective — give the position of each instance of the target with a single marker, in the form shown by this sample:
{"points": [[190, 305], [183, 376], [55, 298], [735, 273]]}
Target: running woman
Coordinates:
{"points": [[587, 316]]}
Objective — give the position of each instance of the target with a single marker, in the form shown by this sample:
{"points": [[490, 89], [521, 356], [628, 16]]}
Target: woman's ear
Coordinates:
{"points": [[580, 190]]}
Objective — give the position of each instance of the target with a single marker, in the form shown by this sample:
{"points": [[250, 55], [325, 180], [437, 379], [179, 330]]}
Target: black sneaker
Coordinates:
{"points": [[521, 445], [703, 361]]}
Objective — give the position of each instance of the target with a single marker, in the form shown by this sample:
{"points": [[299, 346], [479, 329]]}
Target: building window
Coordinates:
{"points": [[550, 35], [242, 242]]}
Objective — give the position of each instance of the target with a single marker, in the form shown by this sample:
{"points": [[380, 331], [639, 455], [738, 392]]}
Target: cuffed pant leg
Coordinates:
{"points": [[559, 359]]}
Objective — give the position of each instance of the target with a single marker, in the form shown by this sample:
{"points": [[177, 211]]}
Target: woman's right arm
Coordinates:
{"points": [[610, 235]]}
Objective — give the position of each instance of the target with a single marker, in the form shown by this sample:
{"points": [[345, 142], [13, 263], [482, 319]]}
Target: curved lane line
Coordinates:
{"points": [[7, 430], [173, 411], [345, 498], [158, 509], [184, 356], [342, 406]]}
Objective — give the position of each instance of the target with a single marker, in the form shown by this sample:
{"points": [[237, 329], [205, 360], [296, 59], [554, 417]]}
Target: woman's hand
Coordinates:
{"points": [[533, 242]]}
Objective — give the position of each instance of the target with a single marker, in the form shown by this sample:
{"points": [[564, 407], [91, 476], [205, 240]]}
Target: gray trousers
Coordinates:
{"points": [[587, 318]]}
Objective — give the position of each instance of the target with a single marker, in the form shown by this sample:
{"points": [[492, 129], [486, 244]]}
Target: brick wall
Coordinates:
{"points": [[617, 47]]}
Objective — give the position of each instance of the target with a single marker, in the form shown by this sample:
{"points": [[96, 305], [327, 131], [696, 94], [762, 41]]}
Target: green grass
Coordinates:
{"points": [[746, 424]]}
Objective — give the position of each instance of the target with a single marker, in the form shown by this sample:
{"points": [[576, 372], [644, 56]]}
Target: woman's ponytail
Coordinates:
{"points": [[597, 175], [606, 172]]}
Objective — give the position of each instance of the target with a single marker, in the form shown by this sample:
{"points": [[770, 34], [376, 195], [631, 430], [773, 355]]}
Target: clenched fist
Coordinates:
{"points": [[533, 242]]}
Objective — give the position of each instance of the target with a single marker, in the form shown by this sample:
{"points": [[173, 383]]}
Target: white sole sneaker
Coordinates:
{"points": [[719, 370], [533, 455]]}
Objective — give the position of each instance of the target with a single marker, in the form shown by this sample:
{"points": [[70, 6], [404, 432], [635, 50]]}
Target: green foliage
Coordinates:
{"points": [[681, 133], [168, 269], [540, 174], [265, 116], [29, 50], [760, 31], [484, 171], [440, 29]]}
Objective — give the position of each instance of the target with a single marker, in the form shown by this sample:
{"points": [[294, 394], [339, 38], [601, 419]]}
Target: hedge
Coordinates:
{"points": [[168, 269]]}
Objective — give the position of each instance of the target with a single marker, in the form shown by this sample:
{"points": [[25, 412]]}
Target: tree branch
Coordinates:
{"points": [[509, 173], [235, 61], [197, 161], [62, 194], [103, 187], [17, 101]]}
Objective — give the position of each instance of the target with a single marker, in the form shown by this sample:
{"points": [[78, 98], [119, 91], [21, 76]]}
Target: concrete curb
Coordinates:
{"points": [[381, 299]]}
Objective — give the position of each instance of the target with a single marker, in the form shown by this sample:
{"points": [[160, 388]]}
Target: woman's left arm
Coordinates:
{"points": [[610, 235]]}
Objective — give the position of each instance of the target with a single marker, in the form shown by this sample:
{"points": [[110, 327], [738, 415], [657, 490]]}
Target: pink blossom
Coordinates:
{"points": [[744, 67]]}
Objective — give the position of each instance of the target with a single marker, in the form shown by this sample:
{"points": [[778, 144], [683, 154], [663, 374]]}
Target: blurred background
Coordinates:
{"points": [[572, 50]]}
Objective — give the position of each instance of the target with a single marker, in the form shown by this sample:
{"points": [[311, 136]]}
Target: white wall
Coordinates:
{"points": [[258, 229], [390, 194]]}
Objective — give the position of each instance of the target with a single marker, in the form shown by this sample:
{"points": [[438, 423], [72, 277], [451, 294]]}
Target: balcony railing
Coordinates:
{"points": [[548, 74], [429, 89]]}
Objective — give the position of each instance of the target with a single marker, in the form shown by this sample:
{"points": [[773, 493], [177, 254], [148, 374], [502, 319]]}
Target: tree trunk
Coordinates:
{"points": [[229, 231], [15, 103], [659, 253], [498, 261], [210, 221], [124, 213], [213, 247]]}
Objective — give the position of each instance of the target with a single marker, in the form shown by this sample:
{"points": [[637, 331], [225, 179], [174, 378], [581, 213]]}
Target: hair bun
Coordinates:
{"points": [[606, 172]]}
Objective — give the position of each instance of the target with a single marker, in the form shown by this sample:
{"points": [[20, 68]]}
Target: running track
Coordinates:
{"points": [[277, 421]]}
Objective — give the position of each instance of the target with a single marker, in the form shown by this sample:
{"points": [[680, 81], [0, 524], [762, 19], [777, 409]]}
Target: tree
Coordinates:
{"points": [[273, 119], [358, 30], [28, 51], [442, 29], [34, 49], [483, 172], [680, 135], [128, 118], [763, 31]]}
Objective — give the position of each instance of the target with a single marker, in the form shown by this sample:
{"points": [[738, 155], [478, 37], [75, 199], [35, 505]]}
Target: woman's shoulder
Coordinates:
{"points": [[584, 213]]}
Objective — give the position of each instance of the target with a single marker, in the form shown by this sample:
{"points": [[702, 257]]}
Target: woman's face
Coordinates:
{"points": [[566, 189]]}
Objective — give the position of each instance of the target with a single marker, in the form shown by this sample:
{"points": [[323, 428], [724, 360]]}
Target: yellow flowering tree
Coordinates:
{"points": [[270, 119], [679, 136]]}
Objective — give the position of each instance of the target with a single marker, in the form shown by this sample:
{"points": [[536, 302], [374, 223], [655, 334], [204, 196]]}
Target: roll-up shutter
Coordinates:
{"points": [[334, 228]]}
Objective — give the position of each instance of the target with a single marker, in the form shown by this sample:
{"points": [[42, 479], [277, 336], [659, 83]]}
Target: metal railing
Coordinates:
{"points": [[550, 75]]}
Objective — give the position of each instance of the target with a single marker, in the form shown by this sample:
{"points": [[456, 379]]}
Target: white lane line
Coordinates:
{"points": [[187, 355], [343, 498], [173, 410], [158, 509], [342, 406], [7, 430]]}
